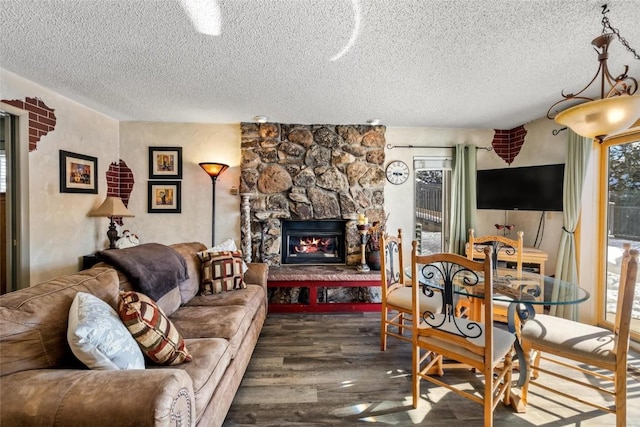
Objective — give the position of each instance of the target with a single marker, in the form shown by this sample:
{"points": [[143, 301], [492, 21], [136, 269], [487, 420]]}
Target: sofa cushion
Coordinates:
{"points": [[190, 287], [251, 297], [228, 322], [211, 357], [33, 321], [220, 272], [230, 246], [158, 338], [98, 338]]}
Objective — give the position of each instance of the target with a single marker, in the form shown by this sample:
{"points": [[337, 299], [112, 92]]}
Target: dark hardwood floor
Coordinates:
{"points": [[328, 370]]}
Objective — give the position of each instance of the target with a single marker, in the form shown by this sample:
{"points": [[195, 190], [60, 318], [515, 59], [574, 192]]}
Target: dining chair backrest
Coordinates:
{"points": [[626, 299], [449, 271], [391, 263], [499, 244]]}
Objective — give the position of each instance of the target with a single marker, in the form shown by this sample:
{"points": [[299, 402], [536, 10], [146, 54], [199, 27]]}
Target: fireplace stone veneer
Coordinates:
{"points": [[309, 172]]}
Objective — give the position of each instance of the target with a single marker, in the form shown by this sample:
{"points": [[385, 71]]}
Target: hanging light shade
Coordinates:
{"points": [[602, 117], [616, 109]]}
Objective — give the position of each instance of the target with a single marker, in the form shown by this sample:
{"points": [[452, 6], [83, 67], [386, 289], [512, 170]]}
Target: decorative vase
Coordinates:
{"points": [[373, 260]]}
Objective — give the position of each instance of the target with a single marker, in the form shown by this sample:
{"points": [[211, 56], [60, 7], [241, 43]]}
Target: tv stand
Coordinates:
{"points": [[532, 259]]}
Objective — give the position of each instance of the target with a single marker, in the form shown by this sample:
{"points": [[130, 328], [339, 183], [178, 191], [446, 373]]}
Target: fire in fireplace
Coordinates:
{"points": [[313, 242]]}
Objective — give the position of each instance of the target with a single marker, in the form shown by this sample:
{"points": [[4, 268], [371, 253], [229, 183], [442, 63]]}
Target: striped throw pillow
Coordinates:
{"points": [[220, 272], [156, 335]]}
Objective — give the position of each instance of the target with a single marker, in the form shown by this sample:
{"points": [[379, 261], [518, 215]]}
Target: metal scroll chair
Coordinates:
{"points": [[499, 244], [599, 348], [444, 335], [396, 292]]}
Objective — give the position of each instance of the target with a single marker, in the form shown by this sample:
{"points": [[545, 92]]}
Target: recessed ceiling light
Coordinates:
{"points": [[261, 119], [373, 122]]}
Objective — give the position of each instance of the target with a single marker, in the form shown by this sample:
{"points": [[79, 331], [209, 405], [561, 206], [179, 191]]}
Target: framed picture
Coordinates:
{"points": [[78, 173], [164, 197], [165, 162]]}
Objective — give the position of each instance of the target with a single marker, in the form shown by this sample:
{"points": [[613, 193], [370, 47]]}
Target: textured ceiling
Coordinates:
{"points": [[455, 63]]}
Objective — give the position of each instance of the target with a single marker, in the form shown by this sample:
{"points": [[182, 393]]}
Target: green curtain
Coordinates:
{"points": [[578, 153], [463, 197]]}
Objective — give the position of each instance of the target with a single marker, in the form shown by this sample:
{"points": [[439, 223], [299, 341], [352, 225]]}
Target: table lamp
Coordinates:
{"points": [[112, 207]]}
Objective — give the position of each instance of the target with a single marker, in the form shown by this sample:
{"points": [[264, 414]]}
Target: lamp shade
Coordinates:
{"points": [[599, 118], [112, 206], [213, 169]]}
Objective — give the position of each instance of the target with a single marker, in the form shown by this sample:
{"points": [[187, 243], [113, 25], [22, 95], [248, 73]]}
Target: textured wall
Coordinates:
{"points": [[60, 230], [200, 143]]}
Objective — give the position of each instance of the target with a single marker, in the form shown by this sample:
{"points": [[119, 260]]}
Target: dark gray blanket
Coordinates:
{"points": [[152, 268]]}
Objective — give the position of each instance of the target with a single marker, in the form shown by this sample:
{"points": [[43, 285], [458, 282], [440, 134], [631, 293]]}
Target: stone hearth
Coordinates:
{"points": [[309, 172]]}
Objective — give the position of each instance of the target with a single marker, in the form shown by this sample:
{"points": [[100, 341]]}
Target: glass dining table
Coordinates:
{"points": [[525, 295]]}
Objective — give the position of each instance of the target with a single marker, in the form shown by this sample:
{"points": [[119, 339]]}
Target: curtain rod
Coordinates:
{"points": [[389, 146]]}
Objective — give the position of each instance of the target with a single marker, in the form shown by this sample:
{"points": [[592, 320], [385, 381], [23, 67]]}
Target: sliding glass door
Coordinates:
{"points": [[432, 201], [622, 219]]}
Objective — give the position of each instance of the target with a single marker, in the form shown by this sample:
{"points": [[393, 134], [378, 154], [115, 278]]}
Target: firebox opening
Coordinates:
{"points": [[313, 242]]}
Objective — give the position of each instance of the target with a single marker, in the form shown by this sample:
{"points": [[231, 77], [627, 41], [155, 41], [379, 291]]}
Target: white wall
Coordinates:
{"points": [[399, 199], [200, 143], [60, 230], [540, 147]]}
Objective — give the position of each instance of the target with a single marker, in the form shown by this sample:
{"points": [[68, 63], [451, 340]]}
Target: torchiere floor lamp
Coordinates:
{"points": [[213, 170]]}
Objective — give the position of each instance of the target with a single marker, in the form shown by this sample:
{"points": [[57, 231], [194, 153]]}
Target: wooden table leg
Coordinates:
{"points": [[517, 403]]}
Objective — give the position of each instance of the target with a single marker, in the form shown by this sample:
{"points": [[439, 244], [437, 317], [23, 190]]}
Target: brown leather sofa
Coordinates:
{"points": [[42, 383]]}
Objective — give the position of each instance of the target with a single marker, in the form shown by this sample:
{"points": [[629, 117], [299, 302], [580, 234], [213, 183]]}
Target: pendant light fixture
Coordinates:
{"points": [[616, 109]]}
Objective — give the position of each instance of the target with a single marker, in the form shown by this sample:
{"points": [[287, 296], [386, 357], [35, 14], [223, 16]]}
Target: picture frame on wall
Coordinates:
{"points": [[164, 197], [165, 162], [78, 173]]}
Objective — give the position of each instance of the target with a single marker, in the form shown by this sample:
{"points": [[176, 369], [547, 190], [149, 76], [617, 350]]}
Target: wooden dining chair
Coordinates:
{"points": [[552, 337], [499, 244], [396, 292], [438, 336]]}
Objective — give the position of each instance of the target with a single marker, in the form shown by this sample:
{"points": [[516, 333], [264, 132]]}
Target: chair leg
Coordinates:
{"points": [[526, 348], [400, 328], [383, 329], [415, 377], [536, 363], [508, 365], [621, 394], [488, 397]]}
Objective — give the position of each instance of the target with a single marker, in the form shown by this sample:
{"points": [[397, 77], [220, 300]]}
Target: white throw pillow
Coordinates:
{"points": [[98, 338], [228, 245]]}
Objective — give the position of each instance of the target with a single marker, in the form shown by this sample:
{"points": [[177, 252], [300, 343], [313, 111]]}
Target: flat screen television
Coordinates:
{"points": [[533, 188]]}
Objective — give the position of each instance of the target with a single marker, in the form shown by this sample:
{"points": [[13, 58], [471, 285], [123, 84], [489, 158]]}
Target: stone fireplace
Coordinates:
{"points": [[300, 173]]}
